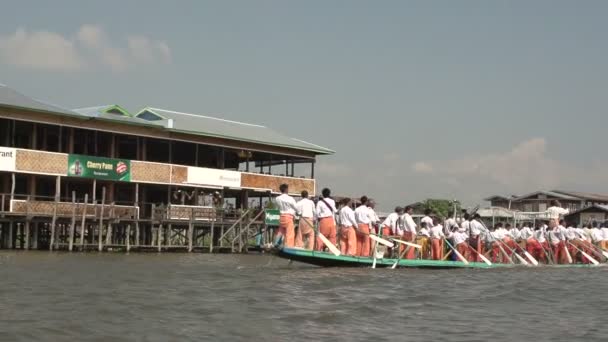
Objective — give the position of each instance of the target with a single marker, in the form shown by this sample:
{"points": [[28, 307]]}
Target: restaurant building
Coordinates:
{"points": [[104, 177]]}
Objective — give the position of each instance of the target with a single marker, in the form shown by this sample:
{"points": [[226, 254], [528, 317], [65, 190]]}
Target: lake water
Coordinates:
{"points": [[202, 297]]}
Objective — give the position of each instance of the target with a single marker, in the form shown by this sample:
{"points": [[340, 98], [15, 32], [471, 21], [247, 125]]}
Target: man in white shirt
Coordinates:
{"points": [[373, 216], [557, 241], [555, 211], [348, 222], [459, 239], [427, 217], [392, 223], [363, 223], [437, 237], [287, 206], [306, 233], [326, 211], [474, 231], [423, 238], [409, 232], [604, 243], [449, 223]]}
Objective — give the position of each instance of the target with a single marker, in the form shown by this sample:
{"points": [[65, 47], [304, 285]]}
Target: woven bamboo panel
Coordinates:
{"points": [[150, 172], [66, 209], [296, 185], [42, 162], [196, 213], [179, 175]]}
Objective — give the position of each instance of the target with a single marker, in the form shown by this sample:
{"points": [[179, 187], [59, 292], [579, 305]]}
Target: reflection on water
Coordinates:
{"points": [[175, 297]]}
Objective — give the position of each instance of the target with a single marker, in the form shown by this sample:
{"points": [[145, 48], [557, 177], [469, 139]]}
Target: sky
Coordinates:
{"points": [[419, 99]]}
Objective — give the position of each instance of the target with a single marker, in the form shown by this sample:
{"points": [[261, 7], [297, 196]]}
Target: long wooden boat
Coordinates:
{"points": [[325, 259]]}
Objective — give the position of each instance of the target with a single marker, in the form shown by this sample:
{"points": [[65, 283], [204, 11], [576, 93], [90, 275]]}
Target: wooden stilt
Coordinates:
{"points": [[190, 230], [160, 232], [168, 241], [128, 237], [211, 237], [35, 235], [27, 234], [100, 234], [73, 225], [110, 226], [11, 227], [85, 208], [54, 220], [136, 242]]}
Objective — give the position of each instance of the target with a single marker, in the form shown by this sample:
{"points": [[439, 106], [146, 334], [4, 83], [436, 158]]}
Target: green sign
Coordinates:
{"points": [[99, 168], [272, 217]]}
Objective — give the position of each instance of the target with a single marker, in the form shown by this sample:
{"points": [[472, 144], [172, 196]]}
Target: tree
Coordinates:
{"points": [[441, 207]]}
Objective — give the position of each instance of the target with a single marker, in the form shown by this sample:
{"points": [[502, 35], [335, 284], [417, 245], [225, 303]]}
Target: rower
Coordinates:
{"points": [[557, 241], [373, 216], [306, 232], [348, 222], [437, 237], [390, 225], [427, 217], [597, 236], [459, 241], [524, 235], [326, 211], [556, 211], [287, 208], [450, 222], [363, 224], [474, 231], [409, 232], [604, 243], [423, 238], [509, 237]]}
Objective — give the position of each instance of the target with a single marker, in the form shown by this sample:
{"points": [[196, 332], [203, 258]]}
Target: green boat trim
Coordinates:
{"points": [[325, 259]]}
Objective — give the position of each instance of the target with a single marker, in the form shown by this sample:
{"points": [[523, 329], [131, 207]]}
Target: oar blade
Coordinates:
{"points": [[521, 260], [531, 258], [486, 260], [462, 258], [593, 261], [382, 241], [605, 254], [329, 245]]}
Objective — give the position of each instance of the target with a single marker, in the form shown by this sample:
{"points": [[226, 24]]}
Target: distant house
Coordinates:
{"points": [[593, 214], [539, 201]]}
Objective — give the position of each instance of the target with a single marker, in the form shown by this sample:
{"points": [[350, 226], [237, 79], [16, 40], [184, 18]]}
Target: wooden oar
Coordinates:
{"points": [[604, 253], [400, 256], [462, 258], [407, 243], [325, 241], [595, 262], [381, 240], [597, 249], [500, 244], [568, 256], [375, 253], [483, 257]]}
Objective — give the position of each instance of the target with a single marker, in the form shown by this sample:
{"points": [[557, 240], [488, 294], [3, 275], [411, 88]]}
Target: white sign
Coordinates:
{"points": [[7, 159], [214, 177]]}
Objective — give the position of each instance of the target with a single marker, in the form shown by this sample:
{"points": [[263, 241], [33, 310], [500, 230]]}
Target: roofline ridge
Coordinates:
{"points": [[206, 117]]}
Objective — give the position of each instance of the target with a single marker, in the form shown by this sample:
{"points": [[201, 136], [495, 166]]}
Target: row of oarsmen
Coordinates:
{"points": [[549, 241]]}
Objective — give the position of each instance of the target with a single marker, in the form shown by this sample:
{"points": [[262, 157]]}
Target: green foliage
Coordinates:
{"points": [[441, 207]]}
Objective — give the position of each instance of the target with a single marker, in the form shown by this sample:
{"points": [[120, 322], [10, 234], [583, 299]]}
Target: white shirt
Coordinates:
{"points": [[539, 235], [604, 234], [306, 208], [373, 217], [458, 237], [391, 222], [556, 212], [515, 234], [362, 214], [408, 223], [525, 233], [424, 232], [582, 234], [555, 236], [571, 233], [437, 232], [347, 217], [466, 225], [286, 204], [448, 224], [323, 210], [475, 228], [427, 219], [596, 234]]}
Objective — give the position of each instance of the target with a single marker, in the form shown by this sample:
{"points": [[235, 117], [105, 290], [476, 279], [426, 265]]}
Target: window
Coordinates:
{"points": [[147, 115], [115, 111]]}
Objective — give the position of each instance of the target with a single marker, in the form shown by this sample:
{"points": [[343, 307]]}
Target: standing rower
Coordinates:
{"points": [[391, 224], [474, 231], [287, 207], [459, 241], [557, 241], [437, 237], [555, 211], [348, 224], [306, 232], [326, 211], [363, 223], [423, 239], [427, 216], [409, 232]]}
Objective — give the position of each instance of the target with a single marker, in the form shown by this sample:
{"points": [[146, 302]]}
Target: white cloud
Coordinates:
{"points": [[40, 50], [422, 167], [89, 48]]}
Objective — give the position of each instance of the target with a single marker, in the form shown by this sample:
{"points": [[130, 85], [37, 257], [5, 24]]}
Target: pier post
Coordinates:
{"points": [[11, 227], [54, 220], [160, 231], [100, 234], [83, 221], [35, 237], [211, 235], [27, 233], [190, 229], [73, 224], [128, 237], [136, 242]]}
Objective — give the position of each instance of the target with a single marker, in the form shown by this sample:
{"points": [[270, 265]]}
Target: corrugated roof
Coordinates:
{"points": [[216, 127], [174, 121], [585, 195], [12, 98], [548, 193], [596, 206]]}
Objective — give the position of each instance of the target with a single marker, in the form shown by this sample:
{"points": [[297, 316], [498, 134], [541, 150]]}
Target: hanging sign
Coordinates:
{"points": [[99, 168], [7, 159]]}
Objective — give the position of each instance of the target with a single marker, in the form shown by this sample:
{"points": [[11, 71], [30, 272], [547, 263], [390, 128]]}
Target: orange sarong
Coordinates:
{"points": [[327, 227], [363, 240], [411, 253], [437, 249], [305, 233], [287, 230], [348, 241]]}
